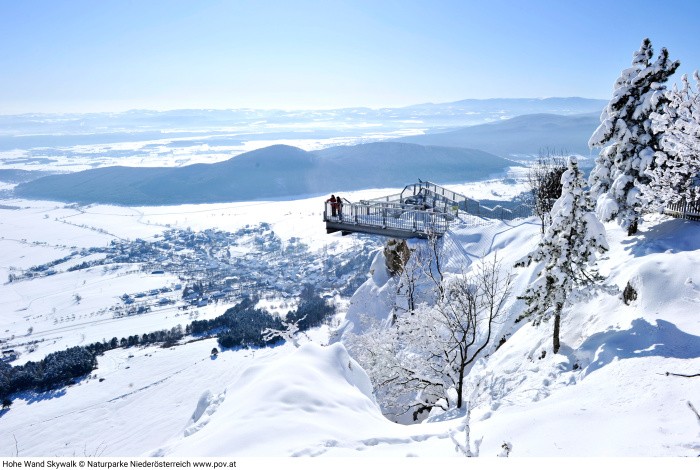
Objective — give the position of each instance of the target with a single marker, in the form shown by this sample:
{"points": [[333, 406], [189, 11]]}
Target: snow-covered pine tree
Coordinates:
{"points": [[676, 175], [627, 137], [567, 253]]}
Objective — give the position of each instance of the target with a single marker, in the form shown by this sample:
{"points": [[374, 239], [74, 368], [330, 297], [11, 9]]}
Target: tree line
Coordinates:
{"points": [[243, 325], [63, 368], [240, 326]]}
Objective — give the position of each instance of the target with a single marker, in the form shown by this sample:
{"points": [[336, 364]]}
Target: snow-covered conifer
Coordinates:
{"points": [[628, 139], [567, 252], [677, 170], [288, 334]]}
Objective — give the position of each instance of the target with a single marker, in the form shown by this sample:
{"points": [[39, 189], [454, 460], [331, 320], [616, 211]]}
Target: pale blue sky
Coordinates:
{"points": [[108, 55]]}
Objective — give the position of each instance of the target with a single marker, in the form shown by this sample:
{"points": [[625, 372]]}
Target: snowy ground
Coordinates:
{"points": [[606, 394]]}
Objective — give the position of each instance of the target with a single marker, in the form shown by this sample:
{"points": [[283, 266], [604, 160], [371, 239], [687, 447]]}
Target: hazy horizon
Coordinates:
{"points": [[300, 109]]}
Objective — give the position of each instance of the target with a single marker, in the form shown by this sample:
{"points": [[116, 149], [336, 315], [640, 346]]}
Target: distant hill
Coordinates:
{"points": [[383, 164], [278, 171], [528, 134]]}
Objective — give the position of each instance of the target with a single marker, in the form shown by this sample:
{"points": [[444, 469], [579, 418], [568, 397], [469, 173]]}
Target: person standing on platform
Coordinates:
{"points": [[339, 204], [334, 205]]}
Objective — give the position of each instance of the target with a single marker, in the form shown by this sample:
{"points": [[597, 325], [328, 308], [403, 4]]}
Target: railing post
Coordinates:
{"points": [[685, 208]]}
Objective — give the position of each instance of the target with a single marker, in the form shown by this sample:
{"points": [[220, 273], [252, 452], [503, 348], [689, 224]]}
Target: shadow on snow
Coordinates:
{"points": [[35, 397], [675, 235], [642, 340]]}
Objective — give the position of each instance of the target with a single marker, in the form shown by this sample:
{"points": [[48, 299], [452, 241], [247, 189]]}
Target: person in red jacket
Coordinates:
{"points": [[334, 205]]}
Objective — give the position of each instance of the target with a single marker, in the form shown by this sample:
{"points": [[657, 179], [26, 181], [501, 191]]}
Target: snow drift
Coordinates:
{"points": [[280, 408]]}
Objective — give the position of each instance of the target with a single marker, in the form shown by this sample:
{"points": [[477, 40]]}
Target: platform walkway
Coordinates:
{"points": [[421, 210], [388, 219]]}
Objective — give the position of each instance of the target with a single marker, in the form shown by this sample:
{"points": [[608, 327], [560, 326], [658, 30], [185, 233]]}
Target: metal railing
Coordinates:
{"points": [[387, 216], [436, 190], [684, 210], [389, 198], [392, 205], [422, 208], [449, 201]]}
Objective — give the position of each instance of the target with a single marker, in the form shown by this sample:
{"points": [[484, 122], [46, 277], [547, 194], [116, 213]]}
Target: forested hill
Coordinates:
{"points": [[529, 134], [278, 171]]}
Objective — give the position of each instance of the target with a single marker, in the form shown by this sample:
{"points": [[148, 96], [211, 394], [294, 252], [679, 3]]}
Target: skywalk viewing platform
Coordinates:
{"points": [[421, 210]]}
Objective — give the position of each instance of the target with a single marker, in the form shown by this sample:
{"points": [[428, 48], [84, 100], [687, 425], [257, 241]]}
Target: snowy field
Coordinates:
{"points": [[168, 153], [68, 143], [73, 142], [316, 400]]}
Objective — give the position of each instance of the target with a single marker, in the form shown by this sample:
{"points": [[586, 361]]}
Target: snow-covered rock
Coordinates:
{"points": [[372, 303]]}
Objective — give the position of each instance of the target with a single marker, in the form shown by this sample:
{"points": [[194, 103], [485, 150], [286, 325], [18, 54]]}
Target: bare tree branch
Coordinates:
{"points": [[682, 375]]}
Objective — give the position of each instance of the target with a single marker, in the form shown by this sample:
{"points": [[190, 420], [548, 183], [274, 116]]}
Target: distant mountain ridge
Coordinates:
{"points": [[59, 130], [278, 171], [528, 134]]}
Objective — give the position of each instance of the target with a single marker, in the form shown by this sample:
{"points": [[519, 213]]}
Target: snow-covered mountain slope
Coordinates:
{"points": [[605, 394], [527, 134]]}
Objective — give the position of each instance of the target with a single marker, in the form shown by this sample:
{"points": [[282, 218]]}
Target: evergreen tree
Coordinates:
{"points": [[677, 172], [544, 179], [312, 309], [628, 139], [567, 253]]}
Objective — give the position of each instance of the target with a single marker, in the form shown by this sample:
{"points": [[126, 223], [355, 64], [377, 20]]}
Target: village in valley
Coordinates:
{"points": [[199, 269]]}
